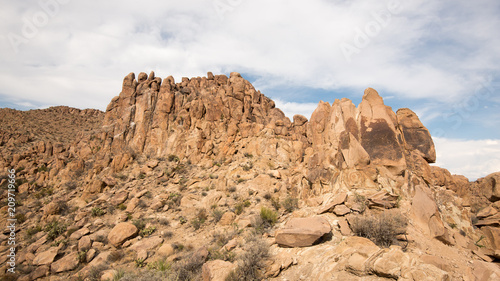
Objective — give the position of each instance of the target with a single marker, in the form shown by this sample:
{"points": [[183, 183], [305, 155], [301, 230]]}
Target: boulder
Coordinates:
{"points": [[84, 243], [217, 270], [119, 197], [79, 233], [47, 257], [67, 263], [121, 233], [493, 235], [302, 232], [227, 218]]}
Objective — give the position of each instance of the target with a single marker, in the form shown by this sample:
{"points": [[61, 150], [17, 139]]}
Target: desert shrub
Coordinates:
{"points": [[174, 199], [267, 196], [20, 218], [159, 265], [232, 189], [276, 203], [196, 223], [140, 262], [217, 215], [164, 221], [116, 256], [97, 212], [290, 204], [187, 269], [33, 230], [82, 256], [382, 228], [268, 216], [145, 275], [173, 158], [147, 231], [140, 224], [251, 262], [238, 208], [54, 229], [119, 274], [141, 204], [71, 185], [96, 272]]}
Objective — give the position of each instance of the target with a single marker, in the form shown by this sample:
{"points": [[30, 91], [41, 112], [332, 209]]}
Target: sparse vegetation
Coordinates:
{"points": [[140, 224], [97, 212], [290, 204], [173, 158], [382, 228], [33, 230], [268, 216], [115, 256], [54, 229], [147, 231], [275, 201], [82, 256], [250, 263], [217, 214], [140, 262]]}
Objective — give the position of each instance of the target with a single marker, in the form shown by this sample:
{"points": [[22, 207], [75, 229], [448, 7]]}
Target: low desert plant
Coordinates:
{"points": [[382, 228], [290, 204], [217, 214], [140, 262], [251, 261], [54, 229], [97, 212], [268, 216], [147, 231]]}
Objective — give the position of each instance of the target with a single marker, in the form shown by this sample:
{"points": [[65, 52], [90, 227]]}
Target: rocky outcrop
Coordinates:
{"points": [[189, 161]]}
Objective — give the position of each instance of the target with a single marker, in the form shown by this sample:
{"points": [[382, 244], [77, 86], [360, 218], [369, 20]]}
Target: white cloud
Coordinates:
{"points": [[420, 52], [471, 158]]}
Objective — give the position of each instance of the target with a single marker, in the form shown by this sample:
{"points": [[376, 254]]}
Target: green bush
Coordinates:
{"points": [[54, 229], [268, 216], [97, 212]]}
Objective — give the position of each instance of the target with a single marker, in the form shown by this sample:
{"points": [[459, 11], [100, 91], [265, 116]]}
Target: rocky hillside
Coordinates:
{"points": [[207, 180]]}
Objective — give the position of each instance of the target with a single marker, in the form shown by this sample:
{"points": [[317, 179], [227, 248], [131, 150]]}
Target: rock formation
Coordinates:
{"points": [[206, 177]]}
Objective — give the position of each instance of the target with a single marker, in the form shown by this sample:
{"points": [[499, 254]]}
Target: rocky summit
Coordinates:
{"points": [[205, 179]]}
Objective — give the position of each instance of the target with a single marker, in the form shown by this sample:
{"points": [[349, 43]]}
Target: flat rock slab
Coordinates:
{"points": [[46, 257], [302, 232], [332, 202]]}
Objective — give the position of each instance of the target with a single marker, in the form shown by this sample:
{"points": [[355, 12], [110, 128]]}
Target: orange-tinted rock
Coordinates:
{"points": [[302, 232], [121, 233], [417, 138]]}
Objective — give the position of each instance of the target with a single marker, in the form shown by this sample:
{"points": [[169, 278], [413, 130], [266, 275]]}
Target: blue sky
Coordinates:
{"points": [[439, 58]]}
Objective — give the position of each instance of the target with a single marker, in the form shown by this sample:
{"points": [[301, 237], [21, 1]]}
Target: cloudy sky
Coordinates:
{"points": [[439, 58]]}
